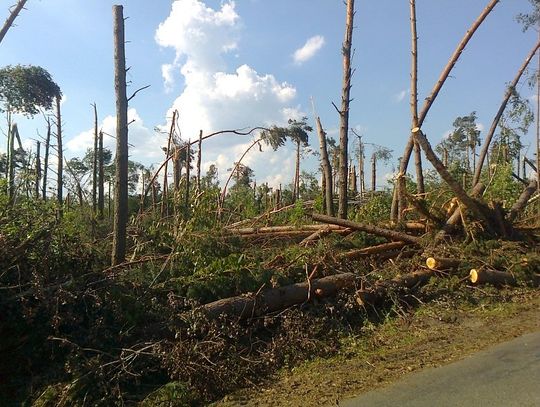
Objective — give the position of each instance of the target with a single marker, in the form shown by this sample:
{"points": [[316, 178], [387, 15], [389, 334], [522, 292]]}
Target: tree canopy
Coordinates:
{"points": [[26, 88]]}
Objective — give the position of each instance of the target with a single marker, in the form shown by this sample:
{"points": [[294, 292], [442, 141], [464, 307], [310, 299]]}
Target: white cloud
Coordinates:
{"points": [[145, 144], [480, 126], [308, 51], [216, 98], [400, 96]]}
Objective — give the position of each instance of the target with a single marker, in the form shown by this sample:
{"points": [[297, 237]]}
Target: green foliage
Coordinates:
{"points": [[376, 209], [461, 143], [503, 187], [25, 89]]}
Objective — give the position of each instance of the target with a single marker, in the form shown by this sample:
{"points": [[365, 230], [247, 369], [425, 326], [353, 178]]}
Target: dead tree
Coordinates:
{"points": [[121, 159], [199, 156], [440, 82], [38, 169], [11, 19], [60, 167], [95, 162], [327, 169], [344, 111], [101, 180], [46, 159]]}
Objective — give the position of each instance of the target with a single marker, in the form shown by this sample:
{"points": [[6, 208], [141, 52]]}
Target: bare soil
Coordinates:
{"points": [[430, 335]]}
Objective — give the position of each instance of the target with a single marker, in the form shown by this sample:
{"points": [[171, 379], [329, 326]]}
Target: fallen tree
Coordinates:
{"points": [[276, 299], [372, 250], [442, 263], [494, 277], [375, 230]]}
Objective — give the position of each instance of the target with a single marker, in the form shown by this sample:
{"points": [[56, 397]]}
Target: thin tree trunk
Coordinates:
{"points": [[420, 189], [537, 124], [327, 169], [188, 182], [46, 159], [199, 156], [60, 169], [121, 179], [12, 128], [495, 123], [95, 163], [442, 79], [101, 181], [38, 169], [344, 112], [296, 188], [373, 172], [522, 201], [167, 154], [10, 20]]}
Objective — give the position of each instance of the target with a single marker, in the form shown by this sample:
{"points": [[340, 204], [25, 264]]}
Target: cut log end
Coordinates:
{"points": [[473, 276], [431, 263]]}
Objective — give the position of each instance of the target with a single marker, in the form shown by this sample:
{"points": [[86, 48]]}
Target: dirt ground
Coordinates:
{"points": [[433, 334]]}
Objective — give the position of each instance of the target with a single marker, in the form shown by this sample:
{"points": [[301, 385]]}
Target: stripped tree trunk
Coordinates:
{"points": [[60, 168], [12, 16], [327, 169], [121, 179], [344, 111], [95, 163], [12, 128], [101, 181], [199, 156], [521, 203], [46, 159], [442, 79], [188, 165], [509, 92], [38, 169]]}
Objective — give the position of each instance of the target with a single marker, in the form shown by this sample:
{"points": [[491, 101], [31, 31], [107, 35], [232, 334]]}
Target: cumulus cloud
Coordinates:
{"points": [[309, 50], [145, 144], [216, 97]]}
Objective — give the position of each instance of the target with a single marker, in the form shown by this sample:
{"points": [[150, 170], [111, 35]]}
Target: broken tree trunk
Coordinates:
{"points": [[271, 229], [372, 250], [494, 277], [521, 203], [469, 202], [389, 234], [380, 291], [442, 263], [11, 19], [442, 79], [327, 170], [276, 299], [324, 231]]}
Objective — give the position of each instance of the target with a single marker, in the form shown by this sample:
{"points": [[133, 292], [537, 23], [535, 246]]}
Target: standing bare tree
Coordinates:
{"points": [[60, 166], [121, 159], [327, 170], [95, 162], [101, 181], [439, 84], [11, 19], [38, 169], [344, 111], [46, 159]]}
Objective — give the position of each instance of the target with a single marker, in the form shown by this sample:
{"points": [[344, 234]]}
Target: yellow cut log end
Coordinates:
{"points": [[473, 275], [431, 263]]}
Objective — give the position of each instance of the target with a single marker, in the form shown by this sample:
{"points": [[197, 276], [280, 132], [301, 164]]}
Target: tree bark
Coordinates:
{"points": [[442, 79], [344, 112], [95, 162], [199, 156], [11, 19], [389, 234], [379, 292], [470, 203], [494, 277], [373, 173], [442, 263], [276, 299], [502, 107], [271, 229], [101, 181], [38, 170], [327, 169], [12, 128], [60, 168], [522, 201], [188, 182], [121, 179], [46, 159], [372, 250]]}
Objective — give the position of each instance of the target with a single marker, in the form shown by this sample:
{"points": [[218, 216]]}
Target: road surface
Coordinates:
{"points": [[507, 375]]}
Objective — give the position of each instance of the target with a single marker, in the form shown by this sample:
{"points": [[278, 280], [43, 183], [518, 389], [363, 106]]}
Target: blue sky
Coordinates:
{"points": [[227, 64]]}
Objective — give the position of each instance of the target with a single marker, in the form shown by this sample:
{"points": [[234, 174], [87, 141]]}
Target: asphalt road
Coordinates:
{"points": [[507, 375]]}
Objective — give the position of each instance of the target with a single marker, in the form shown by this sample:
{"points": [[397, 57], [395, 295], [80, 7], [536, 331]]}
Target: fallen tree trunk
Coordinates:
{"points": [[494, 277], [381, 289], [442, 263], [389, 234], [277, 299], [271, 229], [283, 235], [371, 250], [324, 231], [522, 201]]}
